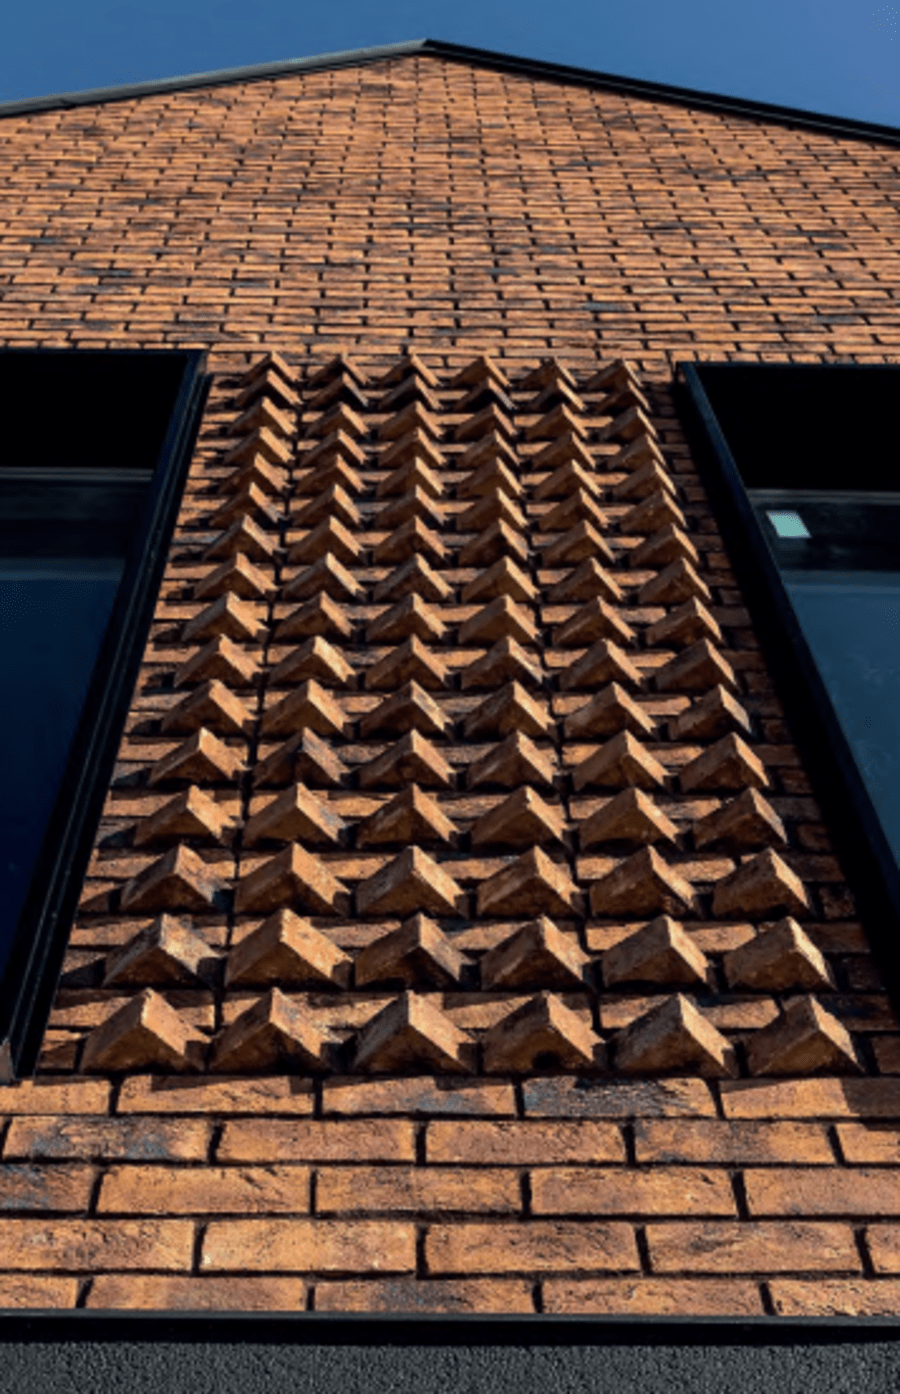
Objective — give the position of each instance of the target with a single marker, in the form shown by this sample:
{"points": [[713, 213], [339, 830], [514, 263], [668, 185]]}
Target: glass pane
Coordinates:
{"points": [[53, 616], [851, 621]]}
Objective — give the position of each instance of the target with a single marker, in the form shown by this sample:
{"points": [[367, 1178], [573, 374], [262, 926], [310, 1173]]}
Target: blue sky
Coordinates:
{"points": [[826, 55]]}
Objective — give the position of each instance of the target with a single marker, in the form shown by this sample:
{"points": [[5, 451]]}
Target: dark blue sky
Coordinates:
{"points": [[826, 55]]}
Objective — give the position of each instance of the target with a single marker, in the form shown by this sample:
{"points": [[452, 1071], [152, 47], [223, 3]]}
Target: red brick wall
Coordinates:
{"points": [[428, 205]]}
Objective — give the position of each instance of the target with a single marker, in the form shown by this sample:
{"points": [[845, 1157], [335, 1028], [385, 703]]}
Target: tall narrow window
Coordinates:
{"points": [[87, 503], [805, 463]]}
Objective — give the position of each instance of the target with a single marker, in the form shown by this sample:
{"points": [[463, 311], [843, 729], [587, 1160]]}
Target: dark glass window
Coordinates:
{"points": [[805, 463], [86, 507]]}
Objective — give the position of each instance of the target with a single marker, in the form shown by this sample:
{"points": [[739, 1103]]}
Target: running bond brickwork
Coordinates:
{"points": [[429, 206]]}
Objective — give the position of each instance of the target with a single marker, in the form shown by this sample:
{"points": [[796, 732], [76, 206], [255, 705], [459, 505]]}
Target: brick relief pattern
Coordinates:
{"points": [[442, 760]]}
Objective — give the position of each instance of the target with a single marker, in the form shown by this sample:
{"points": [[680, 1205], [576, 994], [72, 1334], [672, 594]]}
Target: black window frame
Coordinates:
{"points": [[866, 856], [29, 982]]}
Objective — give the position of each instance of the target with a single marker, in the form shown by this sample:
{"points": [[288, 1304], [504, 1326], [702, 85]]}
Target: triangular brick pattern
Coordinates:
{"points": [[439, 652]]}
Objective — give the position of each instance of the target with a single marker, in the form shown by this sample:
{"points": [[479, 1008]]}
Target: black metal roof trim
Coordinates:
{"points": [[839, 126]]}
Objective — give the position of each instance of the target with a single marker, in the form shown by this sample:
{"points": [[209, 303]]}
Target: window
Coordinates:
{"points": [[96, 446], [804, 463]]}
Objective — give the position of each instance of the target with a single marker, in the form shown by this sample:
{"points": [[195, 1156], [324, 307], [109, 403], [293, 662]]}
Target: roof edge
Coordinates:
{"points": [[843, 126]]}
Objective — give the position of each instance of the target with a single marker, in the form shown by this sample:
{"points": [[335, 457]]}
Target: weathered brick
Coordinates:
{"points": [[626, 1191], [835, 1297], [309, 1246], [884, 1246], [112, 1139], [461, 1295], [860, 1191], [524, 1143], [755, 1247], [30, 1187], [162, 1190], [874, 1143], [812, 1098], [351, 1140], [27, 1290], [423, 1095], [52, 1095], [664, 1297], [427, 1190], [540, 1246], [595, 1098], [232, 1097], [735, 1144], [158, 1292], [82, 1246]]}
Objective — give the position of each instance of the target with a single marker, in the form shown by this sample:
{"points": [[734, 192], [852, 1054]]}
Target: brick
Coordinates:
{"points": [[541, 1246], [309, 1246], [733, 1144], [421, 1096], [25, 1290], [333, 1140], [835, 1297], [166, 1190], [668, 1297], [161, 1293], [862, 1191], [429, 1190], [108, 1139], [884, 1246], [605, 1191], [520, 1143], [27, 1187], [811, 1098], [589, 1098], [178, 1094], [462, 1296], [861, 1144], [757, 1246], [81, 1246], [51, 1095]]}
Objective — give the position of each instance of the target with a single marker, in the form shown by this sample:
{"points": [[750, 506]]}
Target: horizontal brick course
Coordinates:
{"points": [[523, 1143], [543, 1246], [160, 1190], [860, 1191], [157, 1292], [453, 1296], [755, 1247], [309, 1246], [687, 1297], [735, 1144], [380, 1140], [112, 1139], [425, 1190], [84, 1246], [604, 1191]]}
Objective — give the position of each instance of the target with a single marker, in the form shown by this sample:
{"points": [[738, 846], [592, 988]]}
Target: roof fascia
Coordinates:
{"points": [[797, 117]]}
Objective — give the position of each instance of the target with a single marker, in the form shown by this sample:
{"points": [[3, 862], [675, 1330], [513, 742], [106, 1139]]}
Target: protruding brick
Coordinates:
{"points": [[489, 420], [411, 661], [415, 503], [339, 418], [620, 761], [411, 617], [503, 578], [295, 816], [179, 880], [268, 478], [318, 659], [781, 958], [309, 706], [744, 822], [321, 460], [412, 816], [537, 955], [494, 507], [249, 501], [411, 537], [145, 1034], [237, 576], [415, 474], [643, 884], [332, 503], [417, 954], [762, 885], [166, 954], [413, 577], [269, 382], [659, 952], [505, 661], [202, 757], [611, 710], [559, 421], [695, 669], [507, 711], [414, 445], [274, 1032], [567, 447], [227, 615], [330, 536], [221, 658], [578, 507], [259, 442], [580, 543], [490, 478], [412, 1033], [413, 417], [685, 625], [663, 547], [522, 820], [320, 615], [804, 1039], [498, 540], [543, 1032], [676, 582], [603, 663], [288, 951], [589, 579], [674, 1036], [490, 447], [517, 760], [412, 388], [304, 757], [500, 619], [643, 483], [192, 813], [337, 366], [595, 620], [327, 576], [244, 537], [715, 714], [531, 884], [410, 760], [729, 764], [629, 817], [294, 876], [408, 709], [656, 511], [412, 881], [566, 480]]}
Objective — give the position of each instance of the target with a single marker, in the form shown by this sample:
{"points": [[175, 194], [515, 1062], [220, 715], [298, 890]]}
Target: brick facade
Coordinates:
{"points": [[166, 1156]]}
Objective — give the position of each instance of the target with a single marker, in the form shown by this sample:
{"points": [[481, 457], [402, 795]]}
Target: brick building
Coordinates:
{"points": [[462, 933]]}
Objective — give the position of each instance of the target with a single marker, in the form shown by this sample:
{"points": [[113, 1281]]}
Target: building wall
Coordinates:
{"points": [[423, 205]]}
